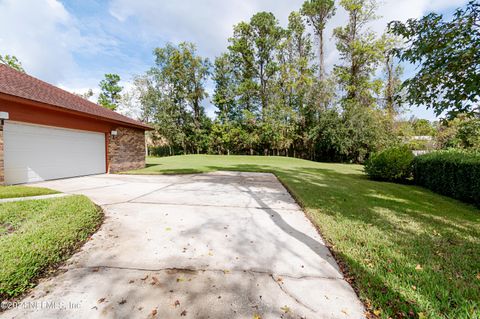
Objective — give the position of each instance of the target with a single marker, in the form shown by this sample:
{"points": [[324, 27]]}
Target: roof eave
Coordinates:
{"points": [[14, 98]]}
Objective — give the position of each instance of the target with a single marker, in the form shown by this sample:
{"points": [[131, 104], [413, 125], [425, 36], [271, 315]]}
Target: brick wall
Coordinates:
{"points": [[2, 169], [126, 151]]}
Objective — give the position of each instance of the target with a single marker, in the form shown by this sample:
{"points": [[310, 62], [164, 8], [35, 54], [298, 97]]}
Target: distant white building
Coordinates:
{"points": [[422, 138]]}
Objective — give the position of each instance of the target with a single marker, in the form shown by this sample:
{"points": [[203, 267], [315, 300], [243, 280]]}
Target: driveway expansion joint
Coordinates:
{"points": [[285, 291], [224, 271]]}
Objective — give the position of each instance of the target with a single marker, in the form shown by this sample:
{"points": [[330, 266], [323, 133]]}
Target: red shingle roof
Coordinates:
{"points": [[15, 83]]}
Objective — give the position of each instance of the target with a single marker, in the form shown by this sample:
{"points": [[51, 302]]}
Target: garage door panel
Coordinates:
{"points": [[35, 153]]}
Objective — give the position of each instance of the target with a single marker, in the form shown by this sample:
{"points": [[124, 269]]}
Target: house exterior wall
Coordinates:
{"points": [[2, 169], [126, 150]]}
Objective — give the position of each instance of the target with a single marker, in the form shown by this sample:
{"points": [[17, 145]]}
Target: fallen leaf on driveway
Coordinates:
{"points": [[153, 313], [183, 313], [285, 309], [155, 281], [177, 303], [168, 229], [180, 279], [255, 316], [101, 300], [122, 302]]}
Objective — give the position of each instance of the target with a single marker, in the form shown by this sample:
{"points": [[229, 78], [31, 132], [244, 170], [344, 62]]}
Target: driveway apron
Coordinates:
{"points": [[214, 245]]}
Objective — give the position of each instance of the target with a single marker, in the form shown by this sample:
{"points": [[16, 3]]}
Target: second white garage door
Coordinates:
{"points": [[35, 153]]}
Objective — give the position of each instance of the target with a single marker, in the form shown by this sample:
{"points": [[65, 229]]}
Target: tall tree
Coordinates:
{"points": [[224, 97], [12, 62], [393, 72], [447, 54], [110, 94], [318, 13], [295, 80], [253, 49], [361, 52], [197, 70], [171, 95]]}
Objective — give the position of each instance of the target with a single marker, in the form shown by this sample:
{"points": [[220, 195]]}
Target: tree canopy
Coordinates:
{"points": [[12, 62], [447, 55], [110, 94]]}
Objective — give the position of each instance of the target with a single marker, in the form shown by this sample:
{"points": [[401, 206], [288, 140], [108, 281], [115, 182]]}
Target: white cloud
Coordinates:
{"points": [[209, 23], [45, 37], [40, 34]]}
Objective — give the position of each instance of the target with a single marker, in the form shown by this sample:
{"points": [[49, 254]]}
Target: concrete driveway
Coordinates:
{"points": [[216, 245]]}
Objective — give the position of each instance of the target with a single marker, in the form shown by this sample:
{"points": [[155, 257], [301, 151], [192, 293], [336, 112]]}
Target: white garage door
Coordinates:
{"points": [[35, 153]]}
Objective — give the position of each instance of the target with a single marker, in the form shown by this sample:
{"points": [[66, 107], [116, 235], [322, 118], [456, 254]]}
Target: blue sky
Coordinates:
{"points": [[73, 43]]}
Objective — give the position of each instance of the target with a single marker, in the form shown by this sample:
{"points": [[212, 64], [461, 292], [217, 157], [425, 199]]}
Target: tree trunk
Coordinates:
{"points": [[322, 57]]}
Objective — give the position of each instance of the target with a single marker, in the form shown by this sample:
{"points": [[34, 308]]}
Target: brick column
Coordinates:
{"points": [[126, 150]]}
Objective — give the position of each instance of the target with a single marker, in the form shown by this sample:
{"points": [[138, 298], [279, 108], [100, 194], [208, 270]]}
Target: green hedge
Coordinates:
{"points": [[393, 164], [452, 173]]}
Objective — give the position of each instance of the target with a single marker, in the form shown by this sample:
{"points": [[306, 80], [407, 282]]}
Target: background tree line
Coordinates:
{"points": [[274, 96]]}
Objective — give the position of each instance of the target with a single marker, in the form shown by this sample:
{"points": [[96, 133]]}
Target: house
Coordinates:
{"points": [[48, 133]]}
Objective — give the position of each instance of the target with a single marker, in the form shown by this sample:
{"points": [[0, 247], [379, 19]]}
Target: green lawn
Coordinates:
{"points": [[408, 250], [23, 191], [38, 234]]}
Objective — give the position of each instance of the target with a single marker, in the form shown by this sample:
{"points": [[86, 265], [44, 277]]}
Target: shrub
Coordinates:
{"points": [[452, 173], [392, 164]]}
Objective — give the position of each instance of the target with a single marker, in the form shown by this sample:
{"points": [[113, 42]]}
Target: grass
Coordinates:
{"points": [[411, 253], [23, 191], [36, 235]]}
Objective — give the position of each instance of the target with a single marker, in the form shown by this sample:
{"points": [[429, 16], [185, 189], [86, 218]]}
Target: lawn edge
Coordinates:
{"points": [[56, 268], [50, 192]]}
